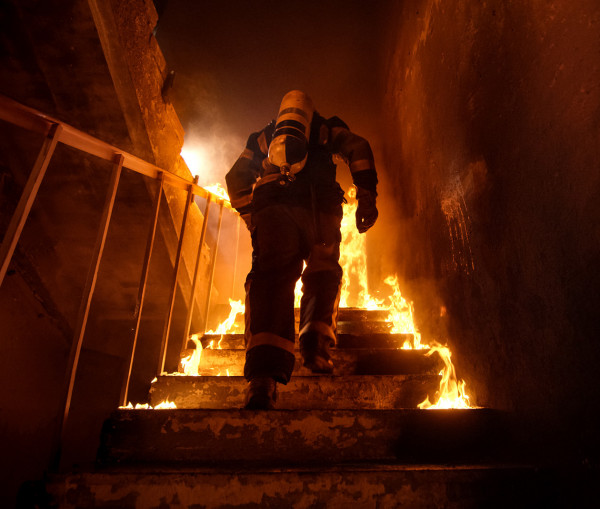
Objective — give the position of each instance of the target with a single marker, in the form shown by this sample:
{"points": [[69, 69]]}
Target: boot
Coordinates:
{"points": [[262, 394], [314, 348]]}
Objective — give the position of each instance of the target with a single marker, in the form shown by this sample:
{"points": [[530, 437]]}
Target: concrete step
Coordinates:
{"points": [[345, 340], [365, 486], [370, 327], [351, 361], [302, 392], [344, 314], [291, 437]]}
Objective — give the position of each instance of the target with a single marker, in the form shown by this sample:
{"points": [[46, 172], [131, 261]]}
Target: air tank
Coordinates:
{"points": [[289, 146]]}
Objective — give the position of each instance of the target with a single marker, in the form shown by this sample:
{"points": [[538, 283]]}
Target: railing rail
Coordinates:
{"points": [[56, 131]]}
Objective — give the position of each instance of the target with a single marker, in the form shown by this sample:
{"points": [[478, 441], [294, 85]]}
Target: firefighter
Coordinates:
{"points": [[284, 187]]}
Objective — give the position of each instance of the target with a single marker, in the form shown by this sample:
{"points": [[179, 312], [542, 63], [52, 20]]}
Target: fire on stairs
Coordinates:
{"points": [[354, 439], [357, 438]]}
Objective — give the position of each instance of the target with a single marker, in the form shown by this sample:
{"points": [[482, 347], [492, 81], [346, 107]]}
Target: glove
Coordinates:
{"points": [[366, 212]]}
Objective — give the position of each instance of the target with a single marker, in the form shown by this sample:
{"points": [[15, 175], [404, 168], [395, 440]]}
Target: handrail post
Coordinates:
{"points": [[86, 301], [139, 305], [17, 222], [237, 249], [167, 329], [212, 267], [188, 319]]}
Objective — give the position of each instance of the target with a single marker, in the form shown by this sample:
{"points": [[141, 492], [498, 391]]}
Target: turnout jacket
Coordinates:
{"points": [[253, 182]]}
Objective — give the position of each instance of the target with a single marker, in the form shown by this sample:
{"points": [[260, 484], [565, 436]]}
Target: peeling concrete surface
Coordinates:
{"points": [[376, 486], [302, 392], [297, 436]]}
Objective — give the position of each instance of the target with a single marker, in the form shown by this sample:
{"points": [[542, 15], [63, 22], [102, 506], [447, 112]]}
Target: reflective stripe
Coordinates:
{"points": [[268, 338], [242, 201], [289, 123], [271, 177], [297, 111], [363, 164], [262, 143], [247, 154], [320, 327]]}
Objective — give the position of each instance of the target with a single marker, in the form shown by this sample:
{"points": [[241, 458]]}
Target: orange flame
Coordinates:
{"points": [[451, 393], [218, 190], [353, 259], [355, 293], [163, 405]]}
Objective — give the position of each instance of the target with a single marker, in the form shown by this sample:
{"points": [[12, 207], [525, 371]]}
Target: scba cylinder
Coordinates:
{"points": [[289, 146]]}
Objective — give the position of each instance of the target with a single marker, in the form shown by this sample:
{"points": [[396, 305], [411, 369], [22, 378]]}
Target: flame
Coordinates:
{"points": [[452, 393], [191, 363], [401, 316], [355, 293], [229, 325], [298, 290], [163, 405], [353, 259], [218, 190]]}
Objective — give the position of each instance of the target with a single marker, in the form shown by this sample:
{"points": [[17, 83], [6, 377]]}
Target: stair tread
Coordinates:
{"points": [[299, 436], [372, 485], [344, 340], [349, 361], [315, 391], [144, 469]]}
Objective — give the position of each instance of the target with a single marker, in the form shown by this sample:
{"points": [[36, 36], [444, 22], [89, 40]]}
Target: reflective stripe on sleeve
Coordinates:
{"points": [[247, 154], [238, 203], [362, 164]]}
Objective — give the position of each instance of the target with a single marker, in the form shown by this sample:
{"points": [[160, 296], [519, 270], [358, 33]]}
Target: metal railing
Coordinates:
{"points": [[54, 132]]}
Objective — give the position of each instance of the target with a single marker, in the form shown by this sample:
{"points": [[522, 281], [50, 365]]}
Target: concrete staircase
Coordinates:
{"points": [[352, 439]]}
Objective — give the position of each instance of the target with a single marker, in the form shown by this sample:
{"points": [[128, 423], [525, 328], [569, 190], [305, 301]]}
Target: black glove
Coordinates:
{"points": [[366, 212]]}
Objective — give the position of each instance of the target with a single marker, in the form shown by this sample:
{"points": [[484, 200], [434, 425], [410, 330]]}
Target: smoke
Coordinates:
{"points": [[210, 145]]}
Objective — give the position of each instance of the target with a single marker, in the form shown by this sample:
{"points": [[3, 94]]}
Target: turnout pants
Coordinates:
{"points": [[284, 236]]}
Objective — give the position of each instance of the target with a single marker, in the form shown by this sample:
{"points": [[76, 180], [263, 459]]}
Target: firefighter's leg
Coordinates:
{"points": [[276, 266], [321, 282]]}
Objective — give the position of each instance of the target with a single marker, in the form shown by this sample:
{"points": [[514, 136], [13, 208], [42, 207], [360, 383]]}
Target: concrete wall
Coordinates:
{"points": [[492, 147], [96, 66]]}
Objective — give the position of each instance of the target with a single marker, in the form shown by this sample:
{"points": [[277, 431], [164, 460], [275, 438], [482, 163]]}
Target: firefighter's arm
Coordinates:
{"points": [[243, 175], [357, 153]]}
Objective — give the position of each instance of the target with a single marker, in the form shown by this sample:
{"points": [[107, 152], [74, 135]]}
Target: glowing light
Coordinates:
{"points": [[195, 157]]}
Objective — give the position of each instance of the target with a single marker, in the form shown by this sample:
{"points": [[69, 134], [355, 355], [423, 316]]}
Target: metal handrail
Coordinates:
{"points": [[56, 131], [36, 121]]}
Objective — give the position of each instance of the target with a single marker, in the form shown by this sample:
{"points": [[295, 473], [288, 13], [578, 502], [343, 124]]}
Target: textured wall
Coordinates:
{"points": [[493, 130]]}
